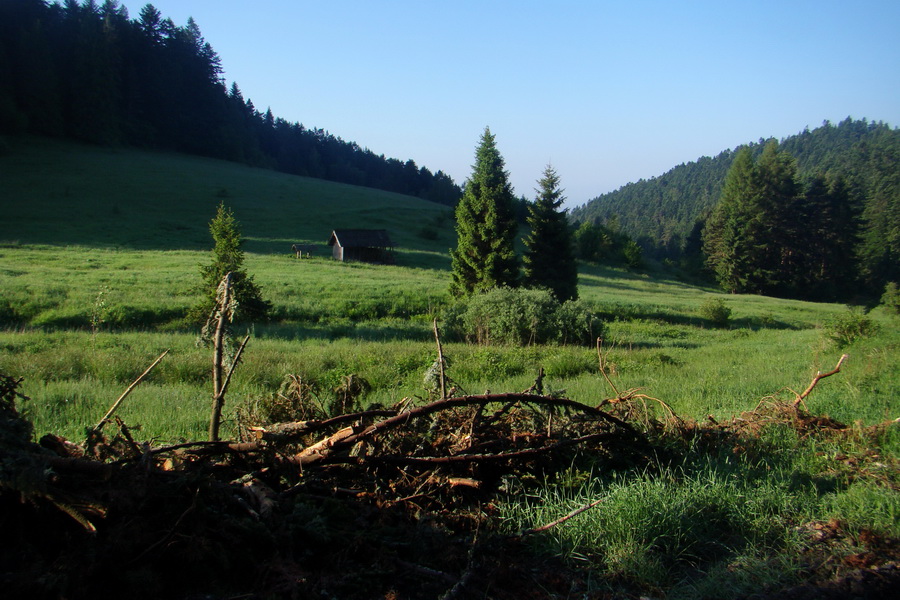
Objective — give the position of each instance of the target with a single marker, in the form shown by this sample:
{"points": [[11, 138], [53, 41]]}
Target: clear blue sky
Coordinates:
{"points": [[608, 92]]}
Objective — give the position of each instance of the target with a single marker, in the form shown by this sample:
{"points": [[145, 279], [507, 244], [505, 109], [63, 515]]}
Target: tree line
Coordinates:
{"points": [[86, 71], [668, 214]]}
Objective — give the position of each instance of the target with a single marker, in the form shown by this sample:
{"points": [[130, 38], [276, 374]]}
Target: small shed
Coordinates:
{"points": [[366, 245]]}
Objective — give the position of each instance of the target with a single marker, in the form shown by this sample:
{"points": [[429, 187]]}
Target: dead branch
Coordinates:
{"points": [[603, 368], [126, 433], [84, 466], [538, 386], [558, 521], [432, 461], [322, 449], [440, 351], [124, 395], [222, 303], [288, 432], [819, 376], [483, 399], [234, 363]]}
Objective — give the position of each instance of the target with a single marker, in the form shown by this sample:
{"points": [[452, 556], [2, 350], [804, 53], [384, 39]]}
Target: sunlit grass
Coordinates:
{"points": [[712, 523]]}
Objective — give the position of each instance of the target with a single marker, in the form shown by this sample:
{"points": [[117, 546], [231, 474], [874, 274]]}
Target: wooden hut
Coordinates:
{"points": [[366, 245]]}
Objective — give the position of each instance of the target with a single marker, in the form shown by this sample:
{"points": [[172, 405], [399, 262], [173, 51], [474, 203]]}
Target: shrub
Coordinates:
{"points": [[520, 317], [891, 298], [716, 312], [846, 328]]}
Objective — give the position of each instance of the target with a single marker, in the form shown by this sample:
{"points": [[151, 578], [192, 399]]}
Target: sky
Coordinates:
{"points": [[607, 92]]}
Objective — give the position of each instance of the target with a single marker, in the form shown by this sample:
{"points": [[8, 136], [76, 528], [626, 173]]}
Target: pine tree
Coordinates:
{"points": [[229, 258], [549, 259], [485, 256]]}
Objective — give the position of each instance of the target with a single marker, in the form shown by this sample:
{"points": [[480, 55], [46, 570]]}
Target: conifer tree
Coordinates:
{"points": [[549, 258], [485, 255], [229, 258], [753, 239], [831, 222]]}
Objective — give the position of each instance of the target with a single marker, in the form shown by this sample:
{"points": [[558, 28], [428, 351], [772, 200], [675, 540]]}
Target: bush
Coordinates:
{"points": [[891, 298], [716, 312], [850, 326], [520, 317]]}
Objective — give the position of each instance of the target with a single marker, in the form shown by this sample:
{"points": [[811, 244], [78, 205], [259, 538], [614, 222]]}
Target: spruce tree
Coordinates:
{"points": [[549, 259], [754, 238], [486, 227], [724, 234], [831, 224], [229, 258]]}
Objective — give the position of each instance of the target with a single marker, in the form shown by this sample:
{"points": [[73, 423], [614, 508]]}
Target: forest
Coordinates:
{"points": [[88, 72], [667, 214]]}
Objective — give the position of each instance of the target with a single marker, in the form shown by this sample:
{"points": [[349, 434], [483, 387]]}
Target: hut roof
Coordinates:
{"points": [[361, 238]]}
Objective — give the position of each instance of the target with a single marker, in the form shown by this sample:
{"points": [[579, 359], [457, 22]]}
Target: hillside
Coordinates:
{"points": [[86, 72], [64, 193], [661, 212]]}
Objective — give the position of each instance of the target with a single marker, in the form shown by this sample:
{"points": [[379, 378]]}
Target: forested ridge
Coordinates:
{"points": [[666, 214], [87, 71]]}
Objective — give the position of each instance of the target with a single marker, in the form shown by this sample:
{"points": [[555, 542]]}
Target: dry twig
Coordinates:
{"points": [[131, 387]]}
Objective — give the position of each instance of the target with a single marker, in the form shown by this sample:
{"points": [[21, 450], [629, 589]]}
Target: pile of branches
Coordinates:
{"points": [[388, 499]]}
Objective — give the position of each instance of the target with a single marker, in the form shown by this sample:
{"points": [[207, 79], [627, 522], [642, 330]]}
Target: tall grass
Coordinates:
{"points": [[711, 524]]}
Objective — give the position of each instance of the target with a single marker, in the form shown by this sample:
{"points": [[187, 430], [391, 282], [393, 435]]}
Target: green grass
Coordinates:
{"points": [[713, 522], [100, 255], [62, 194]]}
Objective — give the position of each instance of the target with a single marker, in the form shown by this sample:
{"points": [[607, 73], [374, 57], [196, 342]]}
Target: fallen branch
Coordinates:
{"points": [[289, 432], [124, 395], [431, 461], [558, 521], [819, 376], [322, 449]]}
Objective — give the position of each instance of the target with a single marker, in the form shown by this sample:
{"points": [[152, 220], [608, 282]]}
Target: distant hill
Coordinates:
{"points": [[661, 212], [63, 193]]}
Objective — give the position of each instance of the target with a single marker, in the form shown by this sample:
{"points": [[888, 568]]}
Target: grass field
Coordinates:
{"points": [[99, 257]]}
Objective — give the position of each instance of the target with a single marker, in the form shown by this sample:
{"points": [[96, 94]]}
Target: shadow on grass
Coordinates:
{"points": [[633, 312], [373, 332]]}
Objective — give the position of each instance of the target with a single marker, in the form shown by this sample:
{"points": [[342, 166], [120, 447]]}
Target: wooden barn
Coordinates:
{"points": [[366, 245]]}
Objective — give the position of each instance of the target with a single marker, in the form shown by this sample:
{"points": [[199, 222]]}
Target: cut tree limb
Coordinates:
{"points": [[819, 376]]}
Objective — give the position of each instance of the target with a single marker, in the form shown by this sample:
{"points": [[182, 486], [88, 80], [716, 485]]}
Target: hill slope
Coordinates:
{"points": [[62, 193], [90, 73], [660, 212]]}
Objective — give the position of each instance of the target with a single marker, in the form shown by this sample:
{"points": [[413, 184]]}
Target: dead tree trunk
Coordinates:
{"points": [[222, 302]]}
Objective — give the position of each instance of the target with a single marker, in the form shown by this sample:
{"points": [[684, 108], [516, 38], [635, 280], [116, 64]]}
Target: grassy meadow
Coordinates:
{"points": [[99, 258]]}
